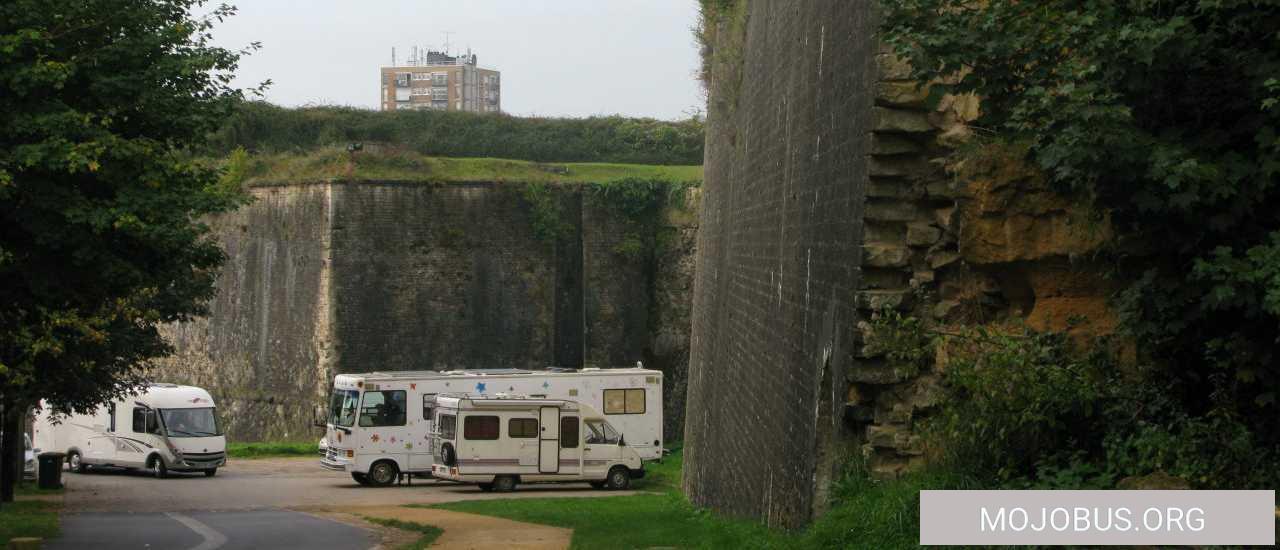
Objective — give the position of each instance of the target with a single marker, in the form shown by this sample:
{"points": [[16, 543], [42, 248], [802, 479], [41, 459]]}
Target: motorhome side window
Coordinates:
{"points": [[144, 421], [601, 433], [383, 408], [522, 427], [111, 412], [448, 426], [428, 404], [568, 432], [480, 427], [624, 401]]}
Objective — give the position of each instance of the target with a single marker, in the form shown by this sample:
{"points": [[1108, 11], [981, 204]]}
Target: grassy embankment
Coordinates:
{"points": [[29, 518], [863, 514], [398, 165], [271, 449], [428, 533]]}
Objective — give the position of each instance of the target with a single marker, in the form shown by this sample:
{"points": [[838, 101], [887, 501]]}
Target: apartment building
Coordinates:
{"points": [[440, 81]]}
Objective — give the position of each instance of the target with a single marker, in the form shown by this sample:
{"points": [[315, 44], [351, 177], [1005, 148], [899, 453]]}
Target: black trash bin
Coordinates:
{"points": [[50, 472]]}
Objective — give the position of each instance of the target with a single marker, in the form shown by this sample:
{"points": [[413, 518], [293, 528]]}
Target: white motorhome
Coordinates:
{"points": [[164, 428], [501, 441], [379, 424]]}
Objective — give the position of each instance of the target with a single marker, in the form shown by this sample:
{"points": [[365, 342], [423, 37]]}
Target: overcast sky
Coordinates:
{"points": [[557, 57]]}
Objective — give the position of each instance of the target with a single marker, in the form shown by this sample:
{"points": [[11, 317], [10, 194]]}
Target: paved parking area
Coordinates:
{"points": [[240, 530]]}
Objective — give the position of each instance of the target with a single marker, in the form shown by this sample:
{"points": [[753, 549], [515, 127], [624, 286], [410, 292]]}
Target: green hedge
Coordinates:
{"points": [[263, 127]]}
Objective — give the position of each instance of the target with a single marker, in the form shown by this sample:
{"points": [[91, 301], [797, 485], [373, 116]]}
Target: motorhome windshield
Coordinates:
{"points": [[190, 422], [599, 431], [342, 407]]}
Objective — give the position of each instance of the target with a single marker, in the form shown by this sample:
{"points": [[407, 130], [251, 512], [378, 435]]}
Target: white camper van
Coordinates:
{"points": [[379, 424], [165, 428], [501, 441]]}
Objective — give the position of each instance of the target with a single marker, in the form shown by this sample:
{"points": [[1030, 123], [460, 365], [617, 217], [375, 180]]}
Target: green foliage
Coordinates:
{"points": [[1166, 115], [639, 203], [262, 127], [548, 215], [429, 532], [269, 449], [102, 102], [30, 518]]}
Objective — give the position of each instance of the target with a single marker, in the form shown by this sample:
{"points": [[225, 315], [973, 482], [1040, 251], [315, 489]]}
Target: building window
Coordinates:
{"points": [[440, 94], [402, 80], [383, 408], [569, 432], [439, 79], [422, 77], [624, 401], [522, 427], [480, 428]]}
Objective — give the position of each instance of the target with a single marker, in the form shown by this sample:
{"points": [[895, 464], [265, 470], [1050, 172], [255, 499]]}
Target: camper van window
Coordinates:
{"points": [[568, 432], [383, 408], [200, 422], [448, 426], [342, 407], [480, 428], [624, 401], [144, 421], [522, 427], [111, 411], [599, 432], [428, 403]]}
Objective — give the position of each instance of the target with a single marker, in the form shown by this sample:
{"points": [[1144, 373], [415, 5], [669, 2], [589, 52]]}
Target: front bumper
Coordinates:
{"points": [[334, 465]]}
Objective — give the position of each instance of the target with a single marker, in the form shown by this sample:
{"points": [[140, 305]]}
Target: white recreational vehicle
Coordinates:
{"points": [[501, 441], [165, 428], [379, 424]]}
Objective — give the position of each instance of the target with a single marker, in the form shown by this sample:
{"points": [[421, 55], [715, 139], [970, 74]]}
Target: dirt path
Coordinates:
{"points": [[471, 531]]}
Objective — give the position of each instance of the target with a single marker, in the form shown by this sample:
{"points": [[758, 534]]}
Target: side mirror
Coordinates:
{"points": [[317, 417], [622, 441]]}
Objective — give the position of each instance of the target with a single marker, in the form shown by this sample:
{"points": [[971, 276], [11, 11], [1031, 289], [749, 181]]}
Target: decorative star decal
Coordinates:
{"points": [[413, 386], [393, 440], [546, 385], [374, 438], [479, 387]]}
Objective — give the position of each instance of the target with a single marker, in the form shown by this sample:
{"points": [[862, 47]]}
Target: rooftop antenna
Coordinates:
{"points": [[393, 56], [446, 40]]}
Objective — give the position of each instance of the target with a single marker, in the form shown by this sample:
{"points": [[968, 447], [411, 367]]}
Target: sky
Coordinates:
{"points": [[571, 58]]}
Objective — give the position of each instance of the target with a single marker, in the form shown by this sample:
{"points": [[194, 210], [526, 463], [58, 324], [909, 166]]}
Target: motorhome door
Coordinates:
{"points": [[549, 440]]}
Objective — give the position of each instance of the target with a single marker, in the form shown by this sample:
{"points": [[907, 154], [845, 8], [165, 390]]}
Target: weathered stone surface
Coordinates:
{"points": [[876, 300], [892, 188], [883, 436], [885, 255], [889, 211], [892, 144], [901, 94], [941, 258], [897, 166], [884, 119], [876, 371], [922, 234], [892, 67]]}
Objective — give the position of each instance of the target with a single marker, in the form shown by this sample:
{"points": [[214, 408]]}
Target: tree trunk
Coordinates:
{"points": [[10, 449]]}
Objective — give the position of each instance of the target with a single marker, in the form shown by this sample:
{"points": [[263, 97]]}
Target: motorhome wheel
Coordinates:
{"points": [[360, 478], [211, 472], [158, 468], [486, 487], [504, 484], [619, 478], [73, 459], [383, 473], [597, 484]]}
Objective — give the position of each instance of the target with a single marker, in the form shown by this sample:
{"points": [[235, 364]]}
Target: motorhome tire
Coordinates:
{"points": [[158, 468], [597, 484], [73, 460], [504, 484], [360, 478], [383, 473], [211, 472], [486, 487], [619, 479]]}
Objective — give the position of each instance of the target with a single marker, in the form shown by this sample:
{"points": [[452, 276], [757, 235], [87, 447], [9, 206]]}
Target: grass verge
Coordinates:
{"points": [[28, 518], [335, 164], [271, 449], [429, 533]]}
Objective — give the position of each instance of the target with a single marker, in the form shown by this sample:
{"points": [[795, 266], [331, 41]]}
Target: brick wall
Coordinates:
{"points": [[779, 249]]}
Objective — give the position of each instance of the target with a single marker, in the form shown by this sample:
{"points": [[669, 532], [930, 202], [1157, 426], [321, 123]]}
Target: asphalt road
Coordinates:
{"points": [[261, 503]]}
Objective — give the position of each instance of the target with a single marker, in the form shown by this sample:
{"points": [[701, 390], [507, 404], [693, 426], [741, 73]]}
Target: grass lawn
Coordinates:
{"points": [[429, 532], [29, 518], [335, 164], [271, 449], [637, 521]]}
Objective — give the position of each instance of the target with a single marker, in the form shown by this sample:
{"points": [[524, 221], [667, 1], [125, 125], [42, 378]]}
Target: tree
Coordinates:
{"points": [[100, 196], [1167, 115]]}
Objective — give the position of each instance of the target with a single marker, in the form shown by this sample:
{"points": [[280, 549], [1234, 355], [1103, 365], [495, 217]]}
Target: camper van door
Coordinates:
{"points": [[549, 440]]}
